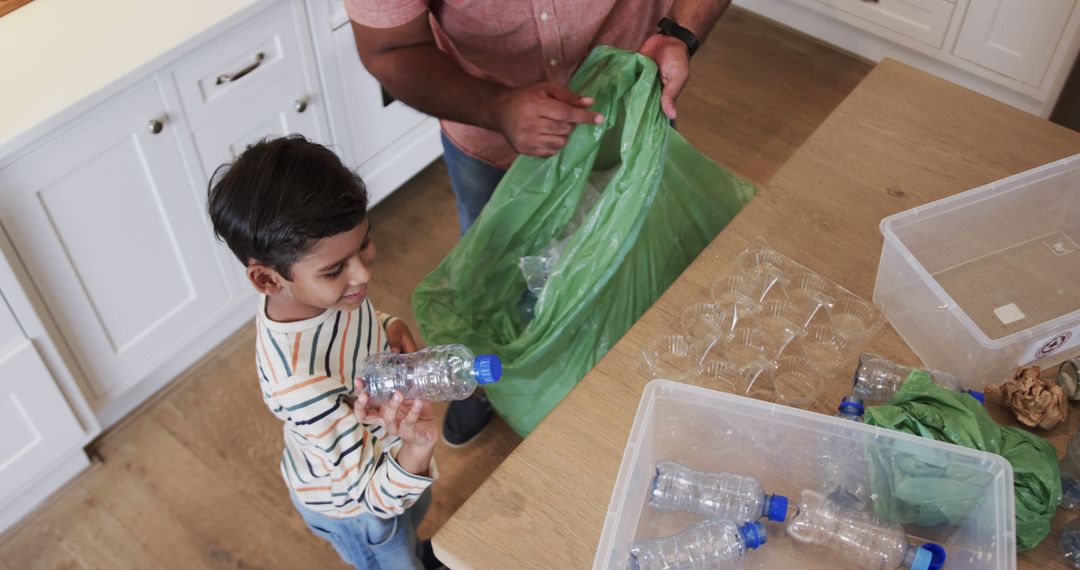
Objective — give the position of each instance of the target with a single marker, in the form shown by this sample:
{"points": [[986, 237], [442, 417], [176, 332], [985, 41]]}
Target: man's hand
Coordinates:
{"points": [[413, 422], [399, 337], [537, 118], [673, 60]]}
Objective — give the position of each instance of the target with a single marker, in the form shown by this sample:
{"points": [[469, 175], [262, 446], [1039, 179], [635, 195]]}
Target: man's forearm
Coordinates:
{"points": [[698, 16], [426, 79]]}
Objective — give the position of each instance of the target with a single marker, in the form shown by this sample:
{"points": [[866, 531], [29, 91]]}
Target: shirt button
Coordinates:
{"points": [[544, 16], [552, 62]]}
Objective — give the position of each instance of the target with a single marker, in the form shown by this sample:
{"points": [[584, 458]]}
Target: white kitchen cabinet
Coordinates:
{"points": [[104, 219], [39, 429], [39, 432], [288, 107], [1017, 51], [386, 141], [922, 20], [1016, 38]]}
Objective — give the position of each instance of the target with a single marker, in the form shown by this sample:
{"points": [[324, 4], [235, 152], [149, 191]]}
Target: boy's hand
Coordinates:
{"points": [[413, 421], [399, 337], [416, 427]]}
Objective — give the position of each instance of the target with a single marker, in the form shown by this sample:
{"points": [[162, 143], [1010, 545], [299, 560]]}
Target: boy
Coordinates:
{"points": [[297, 219]]}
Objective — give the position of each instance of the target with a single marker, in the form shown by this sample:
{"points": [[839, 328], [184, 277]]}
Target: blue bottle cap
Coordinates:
{"points": [[851, 405], [488, 368], [776, 508], [937, 554], [921, 560], [977, 395], [754, 534]]}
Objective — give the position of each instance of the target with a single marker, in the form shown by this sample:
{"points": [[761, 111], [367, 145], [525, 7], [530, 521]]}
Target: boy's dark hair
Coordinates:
{"points": [[279, 197]]}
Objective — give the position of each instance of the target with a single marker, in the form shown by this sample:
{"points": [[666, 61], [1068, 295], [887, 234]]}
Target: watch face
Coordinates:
{"points": [[1067, 378]]}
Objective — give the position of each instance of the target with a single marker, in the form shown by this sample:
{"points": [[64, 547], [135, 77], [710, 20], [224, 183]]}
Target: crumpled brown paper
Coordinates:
{"points": [[1035, 402]]}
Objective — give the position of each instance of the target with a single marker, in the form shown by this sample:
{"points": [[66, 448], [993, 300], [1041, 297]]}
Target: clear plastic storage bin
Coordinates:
{"points": [[714, 431], [988, 280]]}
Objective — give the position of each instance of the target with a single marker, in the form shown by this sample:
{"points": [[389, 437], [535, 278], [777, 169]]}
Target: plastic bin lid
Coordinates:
{"points": [[754, 534], [776, 509], [488, 368]]}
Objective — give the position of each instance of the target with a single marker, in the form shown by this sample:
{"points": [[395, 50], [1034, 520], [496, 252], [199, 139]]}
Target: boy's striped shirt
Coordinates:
{"points": [[334, 464]]}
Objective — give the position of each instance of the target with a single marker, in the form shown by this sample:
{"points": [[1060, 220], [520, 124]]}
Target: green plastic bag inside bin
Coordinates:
{"points": [[663, 203], [918, 491]]}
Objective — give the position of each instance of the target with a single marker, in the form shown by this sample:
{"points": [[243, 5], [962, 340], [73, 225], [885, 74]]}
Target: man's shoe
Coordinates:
{"points": [[466, 419]]}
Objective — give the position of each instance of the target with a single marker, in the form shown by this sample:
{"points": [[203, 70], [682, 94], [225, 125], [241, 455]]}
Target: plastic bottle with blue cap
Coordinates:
{"points": [[858, 538], [437, 374], [739, 498], [708, 545], [842, 468], [878, 379], [851, 408]]}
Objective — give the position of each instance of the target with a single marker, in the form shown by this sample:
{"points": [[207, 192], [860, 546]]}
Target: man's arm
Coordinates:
{"points": [[671, 55], [405, 59]]}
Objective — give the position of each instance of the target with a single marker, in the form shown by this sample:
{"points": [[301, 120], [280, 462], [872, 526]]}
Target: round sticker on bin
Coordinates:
{"points": [[1054, 344]]}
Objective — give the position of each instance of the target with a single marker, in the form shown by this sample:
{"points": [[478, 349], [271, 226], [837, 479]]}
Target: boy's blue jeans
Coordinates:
{"points": [[368, 542], [473, 181]]}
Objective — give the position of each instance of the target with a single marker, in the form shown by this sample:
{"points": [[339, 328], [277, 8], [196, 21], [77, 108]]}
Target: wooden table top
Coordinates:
{"points": [[902, 138]]}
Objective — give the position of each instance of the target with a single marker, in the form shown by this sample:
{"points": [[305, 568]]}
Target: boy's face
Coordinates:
{"points": [[334, 274]]}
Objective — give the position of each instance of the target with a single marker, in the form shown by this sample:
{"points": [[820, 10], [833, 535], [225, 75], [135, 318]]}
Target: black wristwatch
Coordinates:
{"points": [[670, 28]]}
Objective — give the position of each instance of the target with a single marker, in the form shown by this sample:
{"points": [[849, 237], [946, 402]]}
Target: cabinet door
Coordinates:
{"points": [[37, 425], [106, 221], [1016, 38], [374, 119]]}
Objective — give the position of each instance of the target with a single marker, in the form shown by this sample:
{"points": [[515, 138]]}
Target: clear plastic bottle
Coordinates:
{"points": [[842, 469], [709, 545], [1070, 543], [858, 538], [437, 373], [678, 488], [1070, 474], [878, 379]]}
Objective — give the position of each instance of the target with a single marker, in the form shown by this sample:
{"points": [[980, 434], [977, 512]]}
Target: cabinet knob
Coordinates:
{"points": [[300, 105], [155, 126]]}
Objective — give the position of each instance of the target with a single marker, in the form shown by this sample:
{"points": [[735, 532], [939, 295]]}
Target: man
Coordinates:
{"points": [[494, 72]]}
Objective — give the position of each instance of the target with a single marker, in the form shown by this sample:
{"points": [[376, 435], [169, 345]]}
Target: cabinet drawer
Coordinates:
{"points": [[1016, 38], [922, 20], [240, 63]]}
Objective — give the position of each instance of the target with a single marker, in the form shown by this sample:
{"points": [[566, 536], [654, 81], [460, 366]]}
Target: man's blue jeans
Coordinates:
{"points": [[473, 181]]}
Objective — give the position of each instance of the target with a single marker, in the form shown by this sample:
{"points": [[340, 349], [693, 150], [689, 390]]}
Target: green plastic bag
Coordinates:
{"points": [[663, 204], [917, 491]]}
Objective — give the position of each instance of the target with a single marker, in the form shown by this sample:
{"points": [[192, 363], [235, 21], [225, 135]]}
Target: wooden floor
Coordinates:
{"points": [[191, 481]]}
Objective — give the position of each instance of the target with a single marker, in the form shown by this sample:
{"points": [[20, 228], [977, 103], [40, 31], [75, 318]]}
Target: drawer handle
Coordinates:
{"points": [[237, 75], [155, 126], [300, 105]]}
